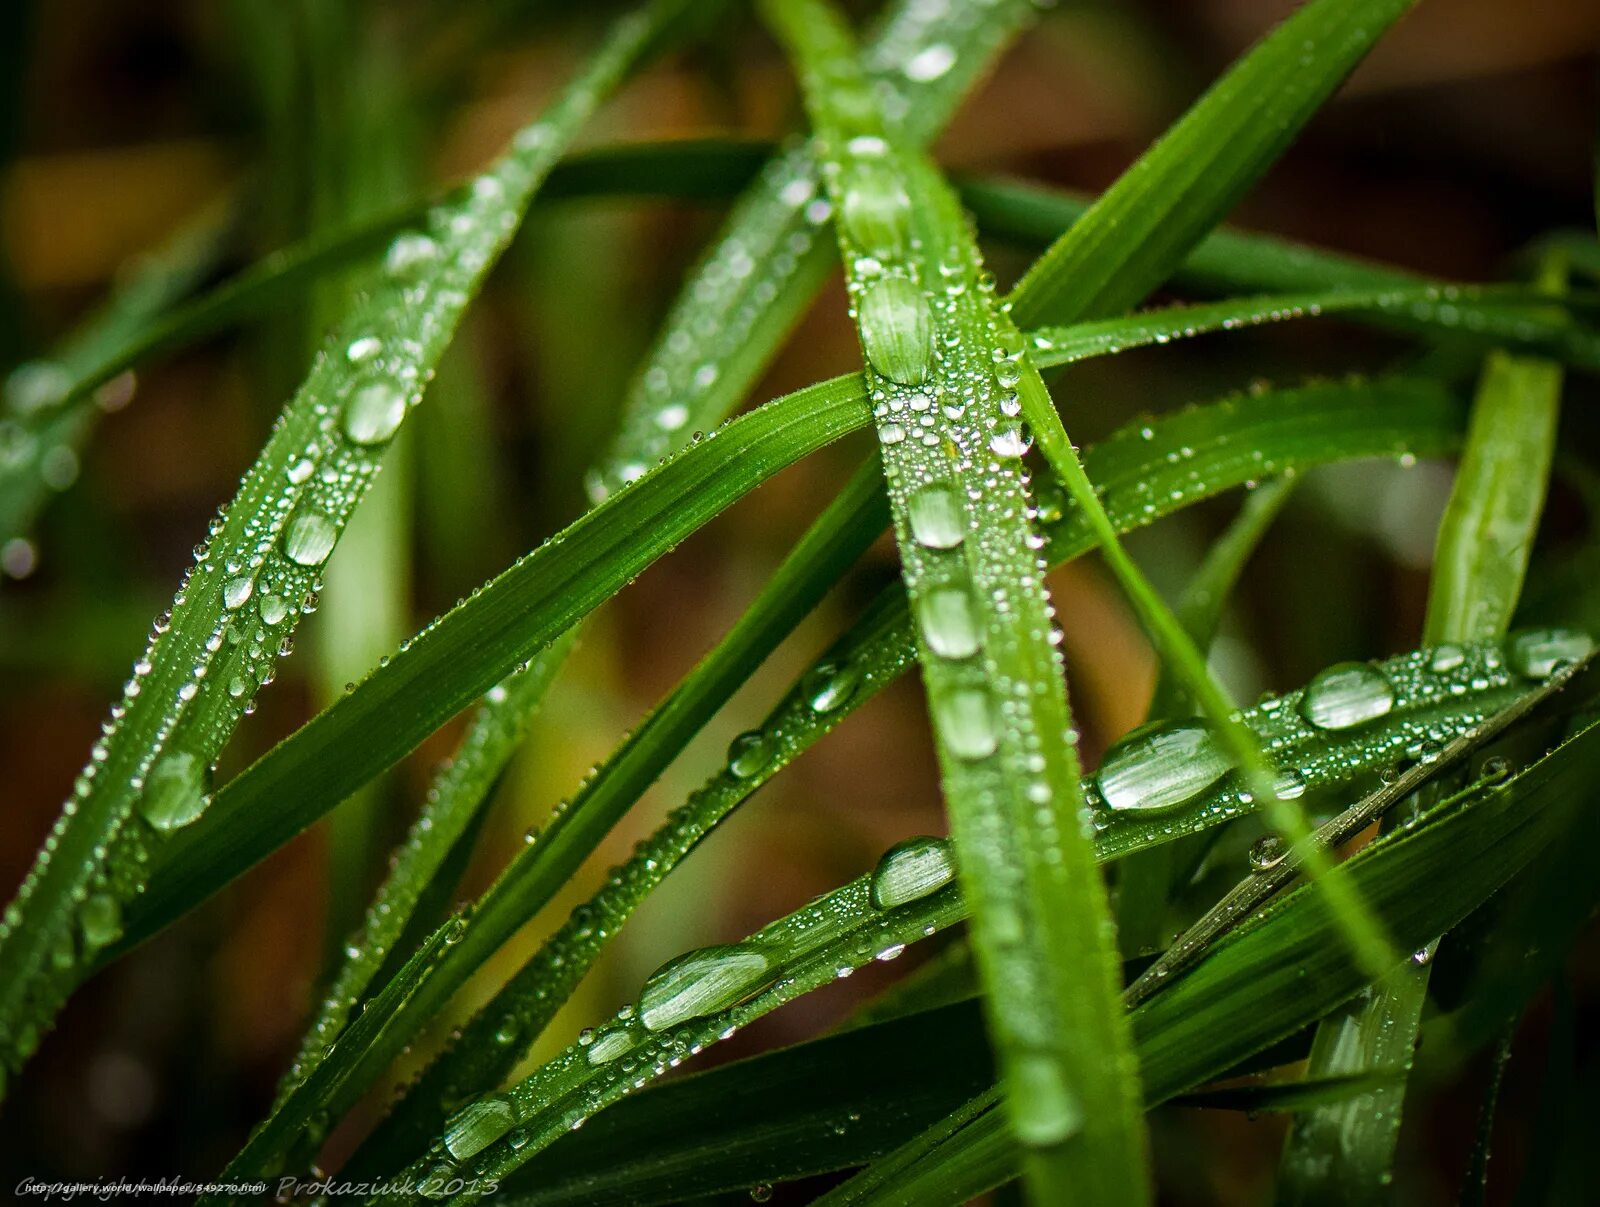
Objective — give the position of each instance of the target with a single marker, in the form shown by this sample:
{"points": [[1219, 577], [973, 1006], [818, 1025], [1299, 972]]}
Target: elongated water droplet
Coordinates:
{"points": [[1537, 653], [1447, 657], [1289, 785], [749, 754], [478, 1125], [829, 685], [949, 622], [609, 1045], [1161, 766], [700, 983], [309, 538], [896, 330], [374, 412], [1044, 1109], [936, 517], [1347, 695], [966, 721], [875, 210], [236, 592], [930, 63], [175, 792], [100, 921], [910, 870]]}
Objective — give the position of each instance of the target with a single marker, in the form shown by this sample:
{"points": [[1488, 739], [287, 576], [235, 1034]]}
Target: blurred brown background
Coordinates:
{"points": [[1467, 134]]}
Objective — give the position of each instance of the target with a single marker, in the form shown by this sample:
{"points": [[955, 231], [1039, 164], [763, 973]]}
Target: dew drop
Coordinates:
{"points": [[100, 921], [236, 593], [936, 517], [1161, 766], [1538, 653], [875, 209], [1266, 853], [273, 609], [309, 539], [175, 792], [408, 253], [896, 330], [608, 1045], [1010, 440], [1347, 695], [966, 723], [374, 412], [829, 685], [362, 348], [478, 1125], [930, 63], [1044, 1109], [701, 983], [749, 754], [1447, 657], [910, 870], [949, 622]]}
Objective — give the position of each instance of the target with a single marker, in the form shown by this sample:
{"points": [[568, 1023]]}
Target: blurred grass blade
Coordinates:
{"points": [[1135, 234], [952, 451], [149, 776], [768, 262], [1485, 539]]}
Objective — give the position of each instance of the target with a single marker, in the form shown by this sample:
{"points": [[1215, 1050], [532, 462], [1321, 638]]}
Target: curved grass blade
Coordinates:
{"points": [[148, 777], [1485, 539], [902, 900], [1134, 235], [1142, 477], [927, 320], [768, 263]]}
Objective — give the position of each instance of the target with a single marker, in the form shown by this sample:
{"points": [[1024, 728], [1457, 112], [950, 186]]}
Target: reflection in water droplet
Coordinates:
{"points": [[1266, 853], [1347, 695], [1161, 765], [910, 870], [309, 539], [609, 1045]]}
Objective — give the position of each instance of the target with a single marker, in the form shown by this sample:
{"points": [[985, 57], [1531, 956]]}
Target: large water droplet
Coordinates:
{"points": [[478, 1125], [1347, 695], [936, 517], [1010, 440], [1044, 1110], [1161, 766], [273, 609], [175, 792], [910, 870], [700, 983], [949, 622], [966, 722], [100, 921], [1537, 653], [236, 592], [749, 754], [374, 411], [875, 210], [896, 330], [829, 685], [309, 538], [609, 1045]]}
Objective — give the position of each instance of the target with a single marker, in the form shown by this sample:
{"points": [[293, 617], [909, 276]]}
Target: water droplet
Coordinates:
{"points": [[236, 593], [1010, 440], [1290, 784], [949, 622], [100, 921], [749, 754], [829, 685], [936, 517], [478, 1125], [609, 1045], [363, 348], [910, 870], [1447, 657], [700, 983], [1538, 653], [1044, 1110], [1161, 765], [1495, 769], [408, 253], [1347, 695], [1266, 853], [309, 538], [896, 330], [930, 63], [374, 411], [875, 210], [966, 723], [273, 609], [760, 1193], [175, 792]]}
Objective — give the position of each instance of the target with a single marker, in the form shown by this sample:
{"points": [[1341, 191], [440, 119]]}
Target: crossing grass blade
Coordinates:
{"points": [[149, 776]]}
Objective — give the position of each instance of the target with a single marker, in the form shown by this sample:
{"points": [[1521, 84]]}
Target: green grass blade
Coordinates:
{"points": [[860, 922], [1291, 430], [1480, 561], [994, 679], [768, 262], [1144, 224], [148, 776]]}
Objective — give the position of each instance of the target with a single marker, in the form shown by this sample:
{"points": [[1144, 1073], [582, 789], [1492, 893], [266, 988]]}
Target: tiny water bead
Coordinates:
{"points": [[309, 538], [910, 871], [1346, 695], [949, 622], [701, 982], [1161, 765], [896, 330], [1539, 653], [175, 792], [478, 1125], [374, 412], [966, 722], [936, 517]]}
